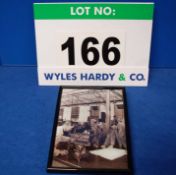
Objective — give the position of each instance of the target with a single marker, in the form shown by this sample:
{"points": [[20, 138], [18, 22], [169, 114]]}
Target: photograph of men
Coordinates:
{"points": [[91, 130]]}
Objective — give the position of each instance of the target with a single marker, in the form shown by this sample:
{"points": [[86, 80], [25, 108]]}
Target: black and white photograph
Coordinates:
{"points": [[90, 130]]}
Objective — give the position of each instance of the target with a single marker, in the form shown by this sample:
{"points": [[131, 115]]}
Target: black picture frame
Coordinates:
{"points": [[68, 165]]}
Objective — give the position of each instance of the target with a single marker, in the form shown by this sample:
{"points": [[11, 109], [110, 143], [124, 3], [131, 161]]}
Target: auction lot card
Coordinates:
{"points": [[90, 131], [93, 44]]}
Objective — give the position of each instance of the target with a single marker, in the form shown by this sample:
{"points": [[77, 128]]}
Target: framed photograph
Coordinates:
{"points": [[90, 131]]}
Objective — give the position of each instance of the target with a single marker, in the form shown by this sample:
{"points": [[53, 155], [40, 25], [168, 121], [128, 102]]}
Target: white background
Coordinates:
{"points": [[134, 35]]}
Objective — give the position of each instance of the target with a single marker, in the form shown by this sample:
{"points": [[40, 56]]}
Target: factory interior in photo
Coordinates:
{"points": [[91, 130]]}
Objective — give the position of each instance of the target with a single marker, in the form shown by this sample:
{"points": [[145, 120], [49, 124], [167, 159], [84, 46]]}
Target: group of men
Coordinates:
{"points": [[100, 135]]}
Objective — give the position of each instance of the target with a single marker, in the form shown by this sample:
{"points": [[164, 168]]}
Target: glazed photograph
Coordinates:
{"points": [[90, 130]]}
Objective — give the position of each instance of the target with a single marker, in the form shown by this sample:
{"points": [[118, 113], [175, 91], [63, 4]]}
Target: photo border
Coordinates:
{"points": [[52, 169]]}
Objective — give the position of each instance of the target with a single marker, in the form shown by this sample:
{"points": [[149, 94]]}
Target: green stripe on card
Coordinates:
{"points": [[132, 11]]}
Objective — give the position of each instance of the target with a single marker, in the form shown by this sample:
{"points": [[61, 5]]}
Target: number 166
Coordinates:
{"points": [[106, 50]]}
